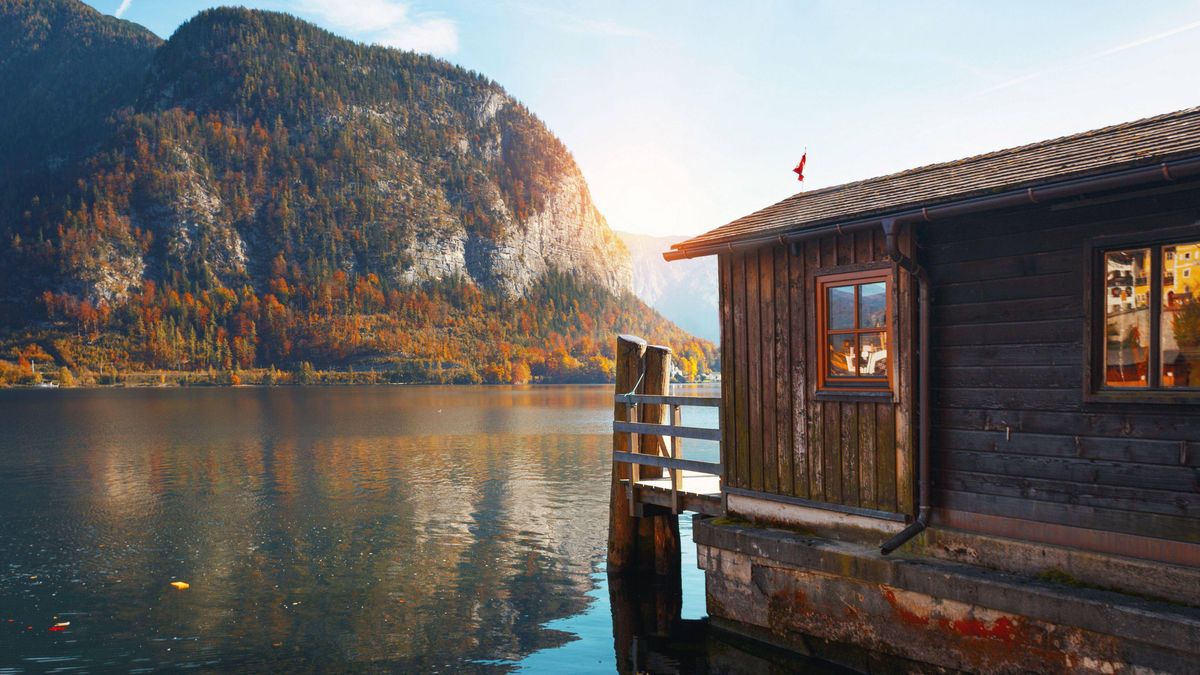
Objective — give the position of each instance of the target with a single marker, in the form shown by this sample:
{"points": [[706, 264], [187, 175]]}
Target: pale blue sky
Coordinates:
{"points": [[685, 115]]}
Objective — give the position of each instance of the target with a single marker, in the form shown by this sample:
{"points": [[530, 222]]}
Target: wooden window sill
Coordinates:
{"points": [[881, 396]]}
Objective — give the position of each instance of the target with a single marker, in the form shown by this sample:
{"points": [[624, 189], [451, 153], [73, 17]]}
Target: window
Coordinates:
{"points": [[855, 319], [1151, 337]]}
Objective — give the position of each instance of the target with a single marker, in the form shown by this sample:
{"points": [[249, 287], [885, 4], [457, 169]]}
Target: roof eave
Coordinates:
{"points": [[1167, 171]]}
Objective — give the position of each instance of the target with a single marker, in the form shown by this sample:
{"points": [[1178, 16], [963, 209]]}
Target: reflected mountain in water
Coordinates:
{"points": [[401, 528]]}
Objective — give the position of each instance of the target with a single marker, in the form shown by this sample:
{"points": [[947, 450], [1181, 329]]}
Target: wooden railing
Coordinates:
{"points": [[672, 435]]}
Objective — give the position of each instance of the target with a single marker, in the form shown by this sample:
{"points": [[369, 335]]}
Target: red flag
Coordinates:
{"points": [[800, 167]]}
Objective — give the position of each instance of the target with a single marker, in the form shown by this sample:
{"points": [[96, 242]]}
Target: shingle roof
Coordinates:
{"points": [[1121, 146]]}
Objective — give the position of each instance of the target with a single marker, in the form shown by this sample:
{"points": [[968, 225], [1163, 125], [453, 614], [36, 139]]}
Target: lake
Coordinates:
{"points": [[427, 529]]}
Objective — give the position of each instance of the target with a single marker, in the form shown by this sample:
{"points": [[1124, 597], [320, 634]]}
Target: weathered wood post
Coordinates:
{"points": [[659, 533], [622, 530], [643, 552], [649, 544]]}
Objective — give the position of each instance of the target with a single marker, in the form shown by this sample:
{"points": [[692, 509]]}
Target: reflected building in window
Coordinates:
{"points": [[1180, 328]]}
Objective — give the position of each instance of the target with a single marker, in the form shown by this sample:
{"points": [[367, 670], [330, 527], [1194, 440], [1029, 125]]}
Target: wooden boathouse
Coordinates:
{"points": [[960, 413]]}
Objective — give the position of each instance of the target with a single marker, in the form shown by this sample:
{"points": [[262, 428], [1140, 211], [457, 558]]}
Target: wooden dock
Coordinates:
{"points": [[698, 492], [652, 481]]}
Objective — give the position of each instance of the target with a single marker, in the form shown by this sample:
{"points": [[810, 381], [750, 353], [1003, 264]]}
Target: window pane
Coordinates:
{"points": [[1127, 317], [873, 361], [1181, 316], [841, 307], [872, 305], [842, 361]]}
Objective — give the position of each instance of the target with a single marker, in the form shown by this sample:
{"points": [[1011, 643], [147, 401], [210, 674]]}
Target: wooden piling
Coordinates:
{"points": [[622, 530], [660, 530], [645, 543]]}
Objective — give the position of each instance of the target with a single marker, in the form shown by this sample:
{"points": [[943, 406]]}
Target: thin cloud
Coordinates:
{"points": [[386, 22], [1133, 44], [123, 8], [1014, 82], [1147, 40]]}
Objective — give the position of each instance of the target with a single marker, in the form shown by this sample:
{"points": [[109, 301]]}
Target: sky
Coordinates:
{"points": [[684, 115]]}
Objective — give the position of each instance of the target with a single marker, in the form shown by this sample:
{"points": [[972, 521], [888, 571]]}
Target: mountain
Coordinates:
{"points": [[270, 194], [684, 291], [64, 68]]}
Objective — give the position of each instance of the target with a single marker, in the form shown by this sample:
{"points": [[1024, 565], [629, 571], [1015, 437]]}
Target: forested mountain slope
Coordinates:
{"points": [[270, 194]]}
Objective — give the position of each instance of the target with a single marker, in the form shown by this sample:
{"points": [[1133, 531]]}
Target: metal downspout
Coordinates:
{"points": [[891, 232]]}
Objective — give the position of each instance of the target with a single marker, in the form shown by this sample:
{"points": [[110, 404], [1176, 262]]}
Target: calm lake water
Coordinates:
{"points": [[420, 529]]}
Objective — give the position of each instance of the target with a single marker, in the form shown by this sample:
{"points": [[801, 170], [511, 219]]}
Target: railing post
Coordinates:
{"points": [[676, 453], [635, 470], [622, 530]]}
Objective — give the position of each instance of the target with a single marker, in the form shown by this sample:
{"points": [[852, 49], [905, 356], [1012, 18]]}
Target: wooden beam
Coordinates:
{"points": [[667, 462], [695, 401], [697, 433]]}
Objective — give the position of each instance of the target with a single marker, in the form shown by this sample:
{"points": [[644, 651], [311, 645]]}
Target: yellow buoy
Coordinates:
{"points": [[181, 585]]}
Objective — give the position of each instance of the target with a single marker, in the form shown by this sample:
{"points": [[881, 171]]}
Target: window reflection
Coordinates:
{"points": [[1180, 323], [1127, 317], [872, 305], [842, 361], [841, 307], [873, 355]]}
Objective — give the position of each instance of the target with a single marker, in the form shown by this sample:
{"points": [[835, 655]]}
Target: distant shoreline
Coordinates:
{"points": [[277, 378]]}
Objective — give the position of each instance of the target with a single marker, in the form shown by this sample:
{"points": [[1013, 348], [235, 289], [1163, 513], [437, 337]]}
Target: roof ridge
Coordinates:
{"points": [[800, 197], [1005, 151]]}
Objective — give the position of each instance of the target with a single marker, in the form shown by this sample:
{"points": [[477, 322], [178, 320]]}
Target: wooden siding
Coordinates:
{"points": [[780, 436], [1013, 434]]}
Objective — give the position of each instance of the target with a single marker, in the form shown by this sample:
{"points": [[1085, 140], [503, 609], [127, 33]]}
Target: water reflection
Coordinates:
{"points": [[400, 528]]}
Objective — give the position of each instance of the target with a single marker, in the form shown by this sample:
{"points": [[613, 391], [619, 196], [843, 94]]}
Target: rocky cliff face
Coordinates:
{"points": [[256, 136], [567, 233]]}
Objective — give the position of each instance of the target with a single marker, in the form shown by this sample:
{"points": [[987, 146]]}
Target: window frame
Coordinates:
{"points": [[856, 385], [1095, 389]]}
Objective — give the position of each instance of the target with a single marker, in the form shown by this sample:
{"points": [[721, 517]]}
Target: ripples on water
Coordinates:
{"points": [[394, 528]]}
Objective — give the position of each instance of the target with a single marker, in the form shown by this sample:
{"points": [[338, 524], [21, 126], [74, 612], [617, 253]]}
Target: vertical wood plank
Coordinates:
{"points": [[754, 344], [742, 365], [849, 453], [867, 454], [844, 245], [797, 302], [885, 429], [862, 246], [828, 251], [816, 417], [728, 371], [783, 373], [906, 355], [770, 451], [832, 458]]}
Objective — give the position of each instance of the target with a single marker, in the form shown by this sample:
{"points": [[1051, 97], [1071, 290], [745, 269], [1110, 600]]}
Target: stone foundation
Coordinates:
{"points": [[818, 595]]}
